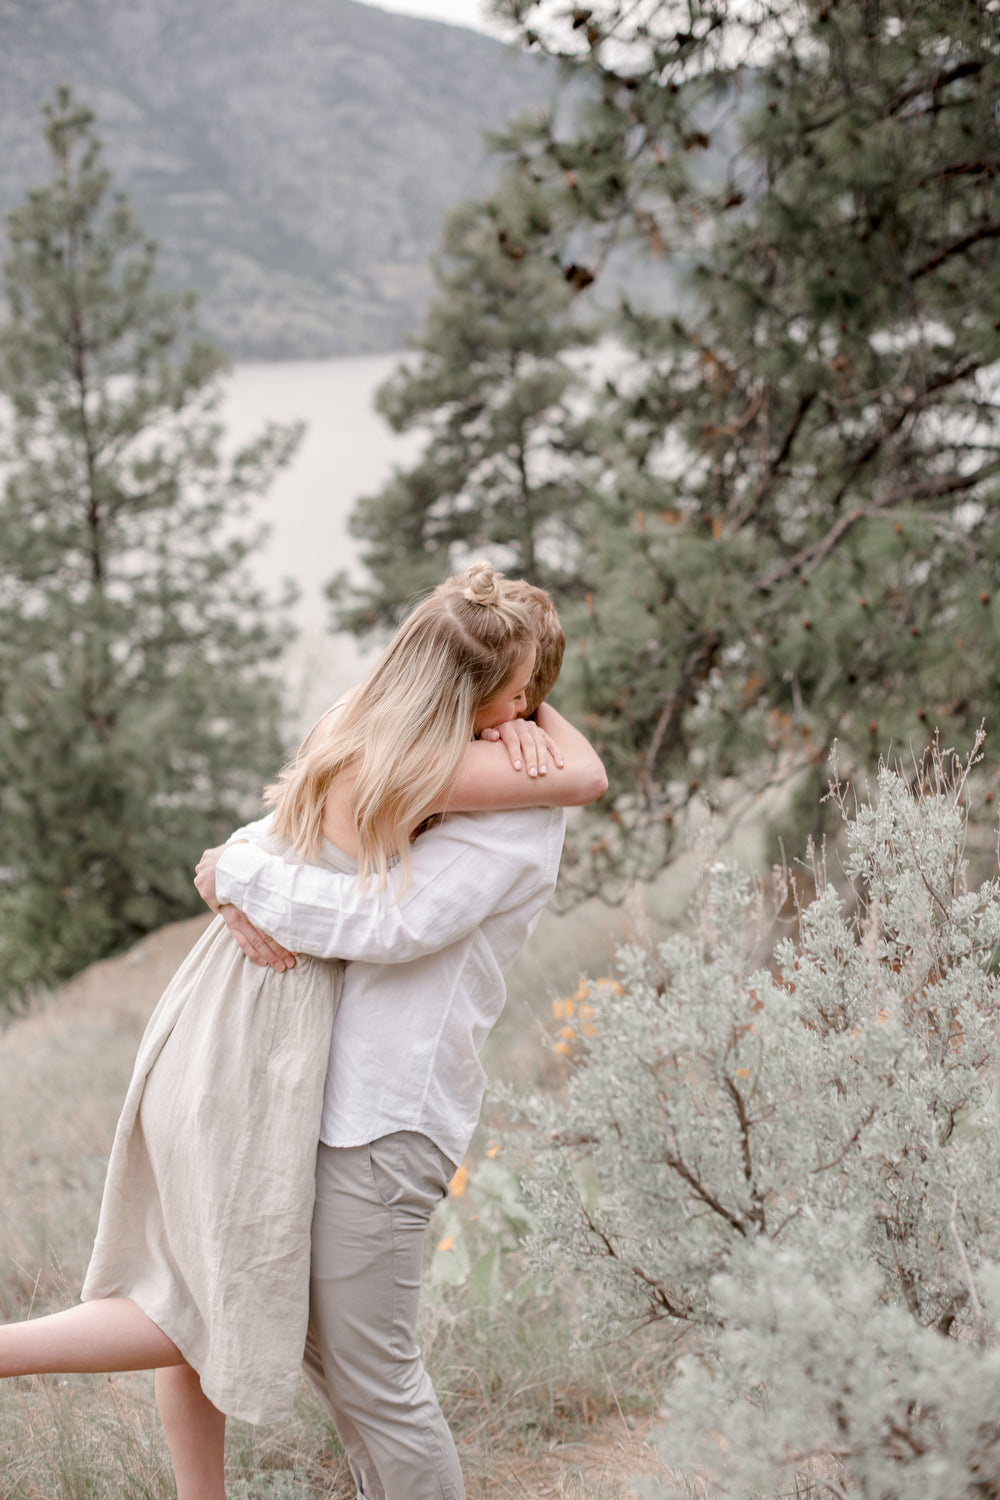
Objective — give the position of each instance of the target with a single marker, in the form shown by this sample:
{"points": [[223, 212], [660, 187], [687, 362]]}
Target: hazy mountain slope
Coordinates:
{"points": [[294, 158]]}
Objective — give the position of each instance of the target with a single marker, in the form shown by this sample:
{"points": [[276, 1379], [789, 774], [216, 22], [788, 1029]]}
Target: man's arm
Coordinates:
{"points": [[254, 944], [463, 870]]}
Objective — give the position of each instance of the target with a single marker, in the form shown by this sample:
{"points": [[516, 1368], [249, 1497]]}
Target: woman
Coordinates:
{"points": [[223, 1108]]}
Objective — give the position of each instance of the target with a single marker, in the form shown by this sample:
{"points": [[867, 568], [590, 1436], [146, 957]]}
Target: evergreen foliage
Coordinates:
{"points": [[780, 522], [136, 709], [792, 1167], [490, 384]]}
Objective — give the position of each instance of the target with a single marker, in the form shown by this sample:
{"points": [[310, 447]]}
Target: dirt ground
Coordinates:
{"points": [[610, 1464]]}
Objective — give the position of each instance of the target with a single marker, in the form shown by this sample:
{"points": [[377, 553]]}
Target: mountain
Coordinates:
{"points": [[293, 158]]}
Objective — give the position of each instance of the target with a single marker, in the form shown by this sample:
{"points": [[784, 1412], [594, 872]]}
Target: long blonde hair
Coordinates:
{"points": [[406, 727]]}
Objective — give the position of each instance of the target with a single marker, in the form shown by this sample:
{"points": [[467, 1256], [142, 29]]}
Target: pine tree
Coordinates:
{"points": [[805, 452], [491, 384], [784, 519], [137, 711]]}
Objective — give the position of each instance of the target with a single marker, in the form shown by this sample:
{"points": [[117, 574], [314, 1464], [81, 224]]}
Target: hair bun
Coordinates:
{"points": [[482, 584]]}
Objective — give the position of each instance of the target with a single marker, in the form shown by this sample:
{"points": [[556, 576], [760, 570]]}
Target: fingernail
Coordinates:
{"points": [[543, 770], [532, 771], [517, 765]]}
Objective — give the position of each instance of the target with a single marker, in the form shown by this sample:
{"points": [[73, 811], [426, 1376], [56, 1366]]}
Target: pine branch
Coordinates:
{"points": [[917, 402], [809, 558], [694, 671], [930, 489], [984, 167], [955, 247], [932, 85], [767, 481]]}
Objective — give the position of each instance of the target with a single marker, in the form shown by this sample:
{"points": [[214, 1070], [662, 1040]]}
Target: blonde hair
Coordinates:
{"points": [[405, 729], [549, 636]]}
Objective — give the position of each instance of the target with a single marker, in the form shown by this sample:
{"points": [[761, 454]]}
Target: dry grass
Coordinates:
{"points": [[533, 1419], [608, 1464], [63, 1071]]}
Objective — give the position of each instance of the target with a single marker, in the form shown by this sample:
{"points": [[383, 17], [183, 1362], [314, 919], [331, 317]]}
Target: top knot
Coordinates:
{"points": [[482, 584]]}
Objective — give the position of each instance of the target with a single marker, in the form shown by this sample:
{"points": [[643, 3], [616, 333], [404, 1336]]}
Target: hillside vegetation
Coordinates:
{"points": [[533, 1418]]}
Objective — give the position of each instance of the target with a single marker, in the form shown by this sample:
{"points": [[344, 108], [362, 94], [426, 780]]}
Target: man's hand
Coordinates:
{"points": [[527, 745], [256, 945]]}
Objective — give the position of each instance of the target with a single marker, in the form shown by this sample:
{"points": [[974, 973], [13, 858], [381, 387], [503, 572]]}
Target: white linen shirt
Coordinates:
{"points": [[424, 981]]}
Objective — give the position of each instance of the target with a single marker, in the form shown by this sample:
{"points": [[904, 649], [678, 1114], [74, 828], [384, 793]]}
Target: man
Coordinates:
{"points": [[423, 987]]}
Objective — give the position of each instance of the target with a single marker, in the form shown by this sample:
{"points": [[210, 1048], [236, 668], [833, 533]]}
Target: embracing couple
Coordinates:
{"points": [[342, 996]]}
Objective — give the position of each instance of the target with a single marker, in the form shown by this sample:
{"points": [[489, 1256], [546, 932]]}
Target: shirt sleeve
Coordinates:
{"points": [[465, 869], [256, 832]]}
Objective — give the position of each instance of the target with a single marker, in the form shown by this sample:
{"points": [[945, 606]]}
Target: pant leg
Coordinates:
{"points": [[359, 1460], [373, 1204]]}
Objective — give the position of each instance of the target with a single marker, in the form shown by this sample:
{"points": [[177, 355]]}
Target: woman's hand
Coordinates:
{"points": [[527, 745], [487, 781], [204, 876]]}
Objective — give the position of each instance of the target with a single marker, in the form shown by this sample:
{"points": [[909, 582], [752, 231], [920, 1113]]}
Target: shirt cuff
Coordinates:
{"points": [[237, 866]]}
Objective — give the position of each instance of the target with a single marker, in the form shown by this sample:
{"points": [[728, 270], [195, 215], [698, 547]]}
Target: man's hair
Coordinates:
{"points": [[549, 635]]}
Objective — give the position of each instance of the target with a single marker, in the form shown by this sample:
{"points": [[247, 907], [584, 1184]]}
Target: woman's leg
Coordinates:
{"points": [[195, 1432], [110, 1334], [113, 1333]]}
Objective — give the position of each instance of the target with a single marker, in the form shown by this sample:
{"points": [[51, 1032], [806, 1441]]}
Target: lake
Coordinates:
{"points": [[348, 451]]}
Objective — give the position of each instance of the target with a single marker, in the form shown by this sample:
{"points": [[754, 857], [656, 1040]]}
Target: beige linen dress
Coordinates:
{"points": [[207, 1207]]}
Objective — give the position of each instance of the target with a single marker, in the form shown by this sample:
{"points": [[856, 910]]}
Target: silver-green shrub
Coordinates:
{"points": [[796, 1168]]}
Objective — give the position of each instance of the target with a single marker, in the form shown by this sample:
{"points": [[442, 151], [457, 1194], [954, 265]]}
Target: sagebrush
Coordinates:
{"points": [[793, 1163]]}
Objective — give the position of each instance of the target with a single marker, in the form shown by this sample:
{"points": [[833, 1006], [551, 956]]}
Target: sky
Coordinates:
{"points": [[472, 13]]}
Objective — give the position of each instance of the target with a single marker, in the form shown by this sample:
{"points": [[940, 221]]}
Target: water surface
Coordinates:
{"points": [[348, 451]]}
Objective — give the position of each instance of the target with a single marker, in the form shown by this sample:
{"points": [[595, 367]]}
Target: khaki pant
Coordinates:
{"points": [[372, 1207]]}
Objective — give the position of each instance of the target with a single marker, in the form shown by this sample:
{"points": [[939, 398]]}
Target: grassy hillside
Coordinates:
{"points": [[532, 1417]]}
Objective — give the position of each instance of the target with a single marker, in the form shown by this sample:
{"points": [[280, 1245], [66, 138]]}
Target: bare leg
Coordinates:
{"points": [[112, 1334], [195, 1432]]}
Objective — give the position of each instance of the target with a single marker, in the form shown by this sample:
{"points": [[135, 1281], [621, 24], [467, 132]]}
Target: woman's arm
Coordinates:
{"points": [[487, 780]]}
